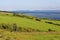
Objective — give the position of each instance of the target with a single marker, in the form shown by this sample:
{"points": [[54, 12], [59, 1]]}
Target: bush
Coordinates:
{"points": [[49, 22], [57, 24], [4, 26], [37, 19], [19, 29], [29, 30], [50, 30], [53, 23], [14, 14], [38, 30], [14, 27], [29, 17]]}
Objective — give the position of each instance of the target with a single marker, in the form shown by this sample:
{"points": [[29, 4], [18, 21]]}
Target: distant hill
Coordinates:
{"points": [[31, 11], [35, 11]]}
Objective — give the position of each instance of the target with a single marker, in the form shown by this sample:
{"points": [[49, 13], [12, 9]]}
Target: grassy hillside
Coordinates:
{"points": [[28, 28], [30, 23]]}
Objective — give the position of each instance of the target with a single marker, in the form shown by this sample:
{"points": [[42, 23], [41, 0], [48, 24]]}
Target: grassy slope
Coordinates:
{"points": [[24, 22], [27, 23]]}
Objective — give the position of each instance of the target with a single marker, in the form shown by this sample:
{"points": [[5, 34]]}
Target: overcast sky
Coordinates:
{"points": [[29, 4]]}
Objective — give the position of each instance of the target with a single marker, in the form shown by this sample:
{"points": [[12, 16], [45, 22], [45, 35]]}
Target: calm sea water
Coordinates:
{"points": [[49, 15]]}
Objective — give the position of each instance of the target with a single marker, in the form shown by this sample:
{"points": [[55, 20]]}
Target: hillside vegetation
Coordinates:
{"points": [[23, 27]]}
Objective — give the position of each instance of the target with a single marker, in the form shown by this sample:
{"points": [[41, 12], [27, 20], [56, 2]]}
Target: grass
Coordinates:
{"points": [[29, 35], [26, 23]]}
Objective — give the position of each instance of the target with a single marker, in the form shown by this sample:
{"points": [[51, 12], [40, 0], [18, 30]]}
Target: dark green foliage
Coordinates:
{"points": [[6, 14], [49, 22], [20, 15], [29, 30], [14, 14], [13, 27], [25, 16], [8, 27], [50, 30], [19, 29], [37, 19], [57, 24], [53, 23], [38, 30], [28, 17], [4, 26]]}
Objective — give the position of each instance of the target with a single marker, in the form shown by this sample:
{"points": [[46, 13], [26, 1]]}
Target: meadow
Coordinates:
{"points": [[23, 27]]}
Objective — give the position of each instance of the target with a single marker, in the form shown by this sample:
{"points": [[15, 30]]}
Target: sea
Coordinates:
{"points": [[55, 15], [48, 15]]}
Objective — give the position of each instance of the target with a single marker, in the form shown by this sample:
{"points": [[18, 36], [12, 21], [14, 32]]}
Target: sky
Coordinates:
{"points": [[29, 5]]}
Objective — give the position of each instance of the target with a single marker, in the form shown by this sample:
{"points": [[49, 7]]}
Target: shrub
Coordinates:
{"points": [[29, 17], [49, 22], [20, 15], [37, 19], [4, 26], [28, 30], [57, 24], [21, 29], [14, 27], [14, 14], [53, 23], [50, 30], [6, 14], [38, 30]]}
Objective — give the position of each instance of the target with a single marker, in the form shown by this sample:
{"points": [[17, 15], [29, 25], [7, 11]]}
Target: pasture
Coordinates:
{"points": [[28, 28]]}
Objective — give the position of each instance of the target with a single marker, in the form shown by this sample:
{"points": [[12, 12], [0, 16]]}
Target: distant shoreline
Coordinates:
{"points": [[39, 14]]}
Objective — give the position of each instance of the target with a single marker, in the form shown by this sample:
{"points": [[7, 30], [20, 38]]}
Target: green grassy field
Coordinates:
{"points": [[27, 23], [6, 35]]}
